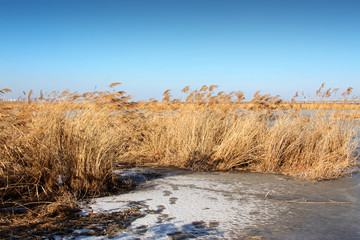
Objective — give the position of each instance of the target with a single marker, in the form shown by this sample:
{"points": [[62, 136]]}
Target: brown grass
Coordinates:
{"points": [[51, 148], [315, 147], [60, 218], [69, 143]]}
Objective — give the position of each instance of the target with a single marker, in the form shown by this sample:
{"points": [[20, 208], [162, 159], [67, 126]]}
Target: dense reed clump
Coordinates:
{"points": [[49, 149], [208, 131], [317, 147], [70, 143], [313, 147]]}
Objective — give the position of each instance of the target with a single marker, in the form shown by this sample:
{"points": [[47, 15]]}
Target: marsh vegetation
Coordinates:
{"points": [[69, 144]]}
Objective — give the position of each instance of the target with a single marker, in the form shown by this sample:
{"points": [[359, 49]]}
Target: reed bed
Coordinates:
{"points": [[70, 143], [316, 147], [50, 151]]}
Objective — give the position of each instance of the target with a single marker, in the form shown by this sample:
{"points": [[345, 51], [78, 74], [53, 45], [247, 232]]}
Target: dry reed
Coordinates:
{"points": [[71, 142]]}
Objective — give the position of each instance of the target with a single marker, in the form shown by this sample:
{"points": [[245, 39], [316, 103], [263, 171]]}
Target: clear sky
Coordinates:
{"points": [[277, 46]]}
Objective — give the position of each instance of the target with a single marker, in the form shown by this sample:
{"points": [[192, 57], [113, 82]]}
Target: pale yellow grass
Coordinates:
{"points": [[315, 147], [72, 145]]}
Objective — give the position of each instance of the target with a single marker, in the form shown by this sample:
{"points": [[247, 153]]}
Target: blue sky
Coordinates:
{"points": [[277, 46]]}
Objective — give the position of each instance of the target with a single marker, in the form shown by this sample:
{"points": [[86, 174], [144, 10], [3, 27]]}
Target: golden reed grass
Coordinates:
{"points": [[70, 142]]}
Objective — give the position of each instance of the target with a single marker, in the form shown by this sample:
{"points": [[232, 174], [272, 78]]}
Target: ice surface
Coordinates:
{"points": [[183, 205], [189, 206]]}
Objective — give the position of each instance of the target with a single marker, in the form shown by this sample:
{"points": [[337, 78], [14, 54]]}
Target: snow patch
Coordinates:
{"points": [[189, 206]]}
